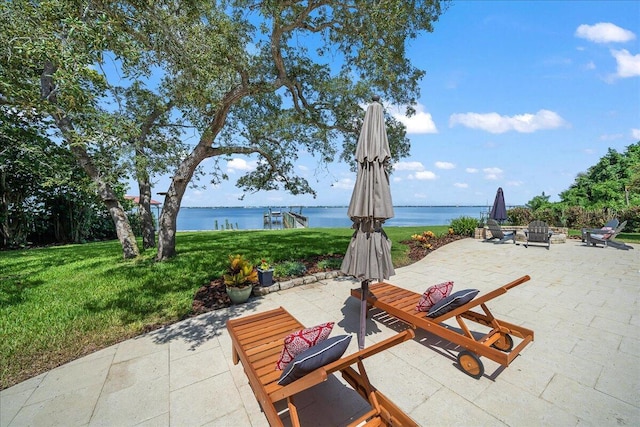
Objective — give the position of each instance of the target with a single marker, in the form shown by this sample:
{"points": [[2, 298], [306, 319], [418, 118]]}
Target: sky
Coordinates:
{"points": [[522, 95]]}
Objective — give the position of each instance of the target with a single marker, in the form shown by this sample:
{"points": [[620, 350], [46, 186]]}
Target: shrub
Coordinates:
{"points": [[632, 216], [576, 217], [548, 215], [520, 216], [330, 263], [289, 268], [465, 225]]}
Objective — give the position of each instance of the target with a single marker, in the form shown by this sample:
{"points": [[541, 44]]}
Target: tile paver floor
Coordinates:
{"points": [[582, 369]]}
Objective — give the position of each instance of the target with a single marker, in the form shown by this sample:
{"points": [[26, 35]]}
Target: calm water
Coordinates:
{"points": [[252, 218]]}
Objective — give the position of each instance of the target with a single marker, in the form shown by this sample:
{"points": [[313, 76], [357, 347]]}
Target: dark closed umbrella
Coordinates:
{"points": [[368, 256], [499, 210]]}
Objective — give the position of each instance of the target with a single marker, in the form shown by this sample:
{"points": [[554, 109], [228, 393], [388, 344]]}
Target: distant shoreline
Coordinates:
{"points": [[329, 206]]}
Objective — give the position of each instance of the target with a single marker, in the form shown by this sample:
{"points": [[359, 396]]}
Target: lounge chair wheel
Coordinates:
{"points": [[470, 364], [505, 343]]}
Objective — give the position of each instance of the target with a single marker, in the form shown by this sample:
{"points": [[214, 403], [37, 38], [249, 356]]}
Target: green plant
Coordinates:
{"points": [[464, 225], [330, 263], [240, 273], [264, 265], [289, 268], [520, 216]]}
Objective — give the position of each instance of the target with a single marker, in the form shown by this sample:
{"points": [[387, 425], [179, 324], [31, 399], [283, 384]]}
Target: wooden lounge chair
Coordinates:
{"points": [[612, 224], [496, 344], [605, 238], [497, 232], [257, 341], [538, 232]]}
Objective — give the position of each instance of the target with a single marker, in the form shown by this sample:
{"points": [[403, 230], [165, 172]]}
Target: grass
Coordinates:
{"points": [[59, 303]]}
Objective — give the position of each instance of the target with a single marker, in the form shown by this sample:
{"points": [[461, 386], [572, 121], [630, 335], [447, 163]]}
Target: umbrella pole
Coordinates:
{"points": [[363, 313]]}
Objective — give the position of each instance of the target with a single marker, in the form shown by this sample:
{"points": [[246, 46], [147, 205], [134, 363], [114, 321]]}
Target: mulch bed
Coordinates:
{"points": [[213, 296], [418, 251]]}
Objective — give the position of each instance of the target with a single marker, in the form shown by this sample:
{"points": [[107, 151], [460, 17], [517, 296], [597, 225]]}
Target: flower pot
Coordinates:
{"points": [[239, 295], [265, 277]]}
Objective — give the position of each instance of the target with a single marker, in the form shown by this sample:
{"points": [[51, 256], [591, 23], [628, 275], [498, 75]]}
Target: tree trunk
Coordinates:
{"points": [[146, 217], [78, 149], [171, 207], [169, 219]]}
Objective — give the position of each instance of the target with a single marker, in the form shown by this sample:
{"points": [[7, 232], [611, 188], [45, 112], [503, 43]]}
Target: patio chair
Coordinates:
{"points": [[609, 226], [606, 239], [538, 232], [497, 344], [498, 233], [257, 341]]}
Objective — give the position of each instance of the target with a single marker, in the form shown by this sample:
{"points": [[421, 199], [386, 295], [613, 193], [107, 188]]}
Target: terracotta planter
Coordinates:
{"points": [[239, 295], [265, 277]]}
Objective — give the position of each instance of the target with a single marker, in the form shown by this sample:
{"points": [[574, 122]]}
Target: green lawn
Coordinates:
{"points": [[59, 303]]}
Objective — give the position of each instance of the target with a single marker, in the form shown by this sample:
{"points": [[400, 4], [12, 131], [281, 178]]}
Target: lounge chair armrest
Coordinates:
{"points": [[308, 381]]}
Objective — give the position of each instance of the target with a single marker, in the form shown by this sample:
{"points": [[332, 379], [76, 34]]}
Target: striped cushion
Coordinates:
{"points": [[315, 357], [452, 302]]}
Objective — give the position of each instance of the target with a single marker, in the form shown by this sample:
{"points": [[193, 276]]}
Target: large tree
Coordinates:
{"points": [[613, 182], [256, 78]]}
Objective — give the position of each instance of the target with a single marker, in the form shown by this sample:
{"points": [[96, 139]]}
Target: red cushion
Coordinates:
{"points": [[299, 341], [434, 294]]}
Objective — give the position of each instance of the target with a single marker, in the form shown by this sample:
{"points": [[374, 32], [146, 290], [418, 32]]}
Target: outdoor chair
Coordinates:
{"points": [[612, 224], [606, 239], [257, 341], [497, 232], [497, 344], [538, 232]]}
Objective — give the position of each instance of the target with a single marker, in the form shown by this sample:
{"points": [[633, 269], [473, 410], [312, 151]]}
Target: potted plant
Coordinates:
{"points": [[265, 273], [239, 279]]}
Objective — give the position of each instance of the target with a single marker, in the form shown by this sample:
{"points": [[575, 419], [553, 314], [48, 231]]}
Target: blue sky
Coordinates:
{"points": [[519, 95]]}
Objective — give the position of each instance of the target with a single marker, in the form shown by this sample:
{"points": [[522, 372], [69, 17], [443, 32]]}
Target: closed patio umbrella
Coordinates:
{"points": [[368, 256], [499, 210]]}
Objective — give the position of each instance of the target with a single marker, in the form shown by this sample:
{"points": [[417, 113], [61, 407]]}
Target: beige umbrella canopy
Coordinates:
{"points": [[368, 256]]}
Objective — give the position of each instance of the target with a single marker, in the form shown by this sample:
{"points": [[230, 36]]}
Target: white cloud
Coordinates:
{"points": [[589, 66], [589, 150], [628, 64], [445, 165], [471, 170], [611, 137], [495, 123], [420, 122], [423, 176], [344, 184], [408, 166], [635, 134], [514, 183], [604, 32], [461, 185], [303, 168], [236, 165], [492, 173]]}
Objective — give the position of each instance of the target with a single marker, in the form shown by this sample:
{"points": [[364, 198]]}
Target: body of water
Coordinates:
{"points": [[252, 218]]}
